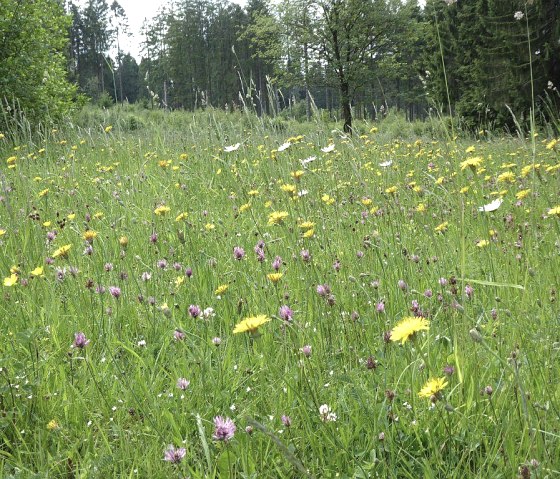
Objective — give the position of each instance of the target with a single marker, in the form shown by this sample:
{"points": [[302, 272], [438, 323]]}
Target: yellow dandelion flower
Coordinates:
{"points": [[408, 327], [11, 280], [123, 241], [164, 163], [162, 210], [209, 226], [522, 194], [306, 225], [53, 425], [464, 189], [71, 216], [11, 160], [327, 199], [482, 243], [277, 217], [367, 201], [108, 128], [506, 177], [274, 277], [552, 144], [183, 156], [470, 149], [420, 208], [98, 215], [433, 387], [472, 163], [38, 271], [288, 188], [182, 216], [439, 181], [441, 227], [554, 211], [2, 232], [62, 252], [89, 235], [391, 190], [179, 280], [308, 233], [253, 193], [296, 175], [251, 324], [221, 289], [43, 193]]}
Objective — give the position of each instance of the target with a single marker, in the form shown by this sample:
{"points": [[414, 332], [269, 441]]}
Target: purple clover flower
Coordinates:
{"points": [[174, 455], [224, 429], [80, 341]]}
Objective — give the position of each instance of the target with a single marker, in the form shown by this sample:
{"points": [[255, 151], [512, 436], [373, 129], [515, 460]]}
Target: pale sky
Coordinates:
{"points": [[137, 11]]}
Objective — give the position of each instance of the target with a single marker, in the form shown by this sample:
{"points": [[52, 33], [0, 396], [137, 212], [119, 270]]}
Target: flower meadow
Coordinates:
{"points": [[214, 301]]}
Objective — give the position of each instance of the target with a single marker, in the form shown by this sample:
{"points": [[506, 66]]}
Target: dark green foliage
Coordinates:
{"points": [[493, 60], [33, 79]]}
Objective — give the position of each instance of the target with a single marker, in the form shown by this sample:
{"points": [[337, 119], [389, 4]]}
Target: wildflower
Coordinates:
{"points": [[323, 290], [277, 263], [38, 271], [183, 383], [518, 15], [308, 234], [284, 146], [469, 291], [286, 420], [179, 335], [115, 291], [194, 310], [391, 190], [522, 194], [251, 324], [402, 285], [482, 243], [554, 211], [305, 255], [174, 455], [216, 341], [224, 429], [162, 210], [238, 253], [53, 425], [123, 241], [275, 277], [62, 252], [221, 289], [551, 144], [43, 193], [408, 327], [441, 227], [108, 128], [285, 313], [277, 217], [386, 164], [306, 350], [506, 177], [11, 280], [448, 370], [80, 341], [472, 163], [432, 388], [181, 216], [231, 148], [327, 415], [296, 175]]}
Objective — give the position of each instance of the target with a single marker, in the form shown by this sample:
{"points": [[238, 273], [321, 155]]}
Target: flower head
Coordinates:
{"points": [[62, 252], [433, 388], [224, 429], [80, 341], [408, 327], [277, 217], [251, 324], [174, 454]]}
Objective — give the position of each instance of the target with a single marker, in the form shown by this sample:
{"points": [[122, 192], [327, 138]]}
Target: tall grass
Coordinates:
{"points": [[390, 242]]}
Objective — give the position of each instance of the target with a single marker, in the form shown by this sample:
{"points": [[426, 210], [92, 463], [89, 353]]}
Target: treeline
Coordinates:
{"points": [[480, 61]]}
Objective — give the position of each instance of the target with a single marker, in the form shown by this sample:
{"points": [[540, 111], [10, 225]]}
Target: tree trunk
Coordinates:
{"points": [[345, 103]]}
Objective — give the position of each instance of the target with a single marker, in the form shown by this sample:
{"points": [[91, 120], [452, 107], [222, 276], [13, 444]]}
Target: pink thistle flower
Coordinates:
{"points": [[224, 429], [174, 455]]}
